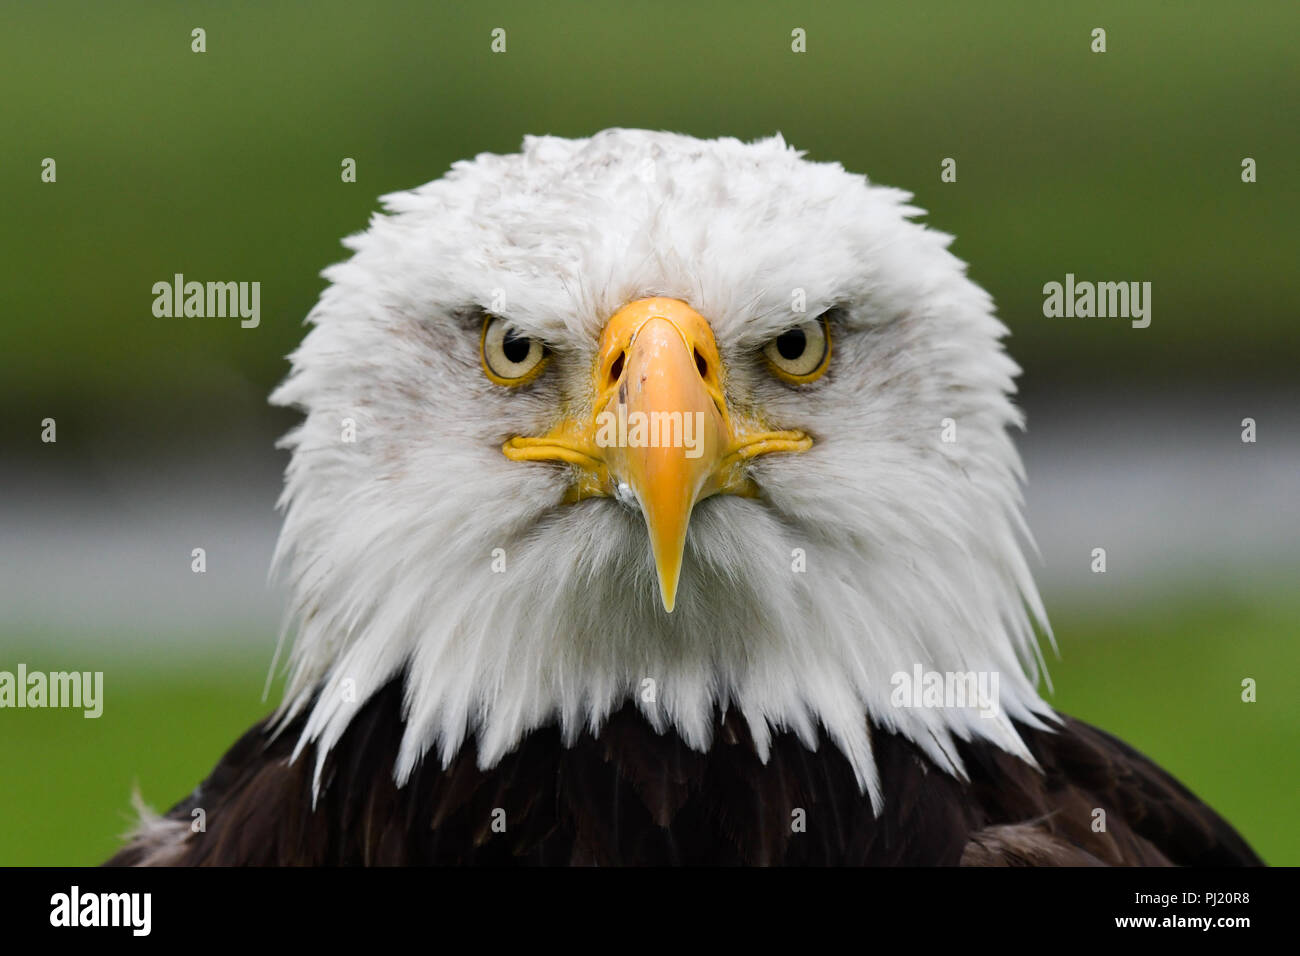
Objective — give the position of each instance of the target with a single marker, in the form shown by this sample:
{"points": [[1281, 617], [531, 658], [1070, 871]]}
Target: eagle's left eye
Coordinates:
{"points": [[801, 354], [510, 358]]}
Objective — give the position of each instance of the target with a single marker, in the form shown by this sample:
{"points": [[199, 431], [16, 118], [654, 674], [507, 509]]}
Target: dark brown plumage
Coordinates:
{"points": [[632, 796]]}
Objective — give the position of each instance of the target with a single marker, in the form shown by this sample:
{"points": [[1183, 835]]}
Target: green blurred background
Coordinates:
{"points": [[225, 165]]}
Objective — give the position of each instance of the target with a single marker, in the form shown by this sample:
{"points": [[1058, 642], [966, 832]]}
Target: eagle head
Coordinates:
{"points": [[699, 425]]}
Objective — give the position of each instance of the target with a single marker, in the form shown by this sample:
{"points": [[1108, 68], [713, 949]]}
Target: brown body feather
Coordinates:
{"points": [[633, 796]]}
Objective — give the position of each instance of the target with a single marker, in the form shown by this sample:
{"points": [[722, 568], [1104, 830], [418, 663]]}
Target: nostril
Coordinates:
{"points": [[700, 364], [616, 370]]}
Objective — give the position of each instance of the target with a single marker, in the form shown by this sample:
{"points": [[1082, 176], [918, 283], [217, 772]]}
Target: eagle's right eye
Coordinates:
{"points": [[510, 358]]}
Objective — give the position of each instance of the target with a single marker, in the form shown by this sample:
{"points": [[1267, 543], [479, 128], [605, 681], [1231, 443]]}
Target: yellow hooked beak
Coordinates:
{"points": [[658, 427]]}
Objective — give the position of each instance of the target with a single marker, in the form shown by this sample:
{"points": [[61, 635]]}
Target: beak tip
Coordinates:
{"points": [[668, 590]]}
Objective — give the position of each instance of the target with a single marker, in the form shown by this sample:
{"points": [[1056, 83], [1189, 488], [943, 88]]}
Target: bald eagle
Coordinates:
{"points": [[655, 503]]}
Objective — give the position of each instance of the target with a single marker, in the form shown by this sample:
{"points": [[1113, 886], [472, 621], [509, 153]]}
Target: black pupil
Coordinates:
{"points": [[791, 344], [516, 347]]}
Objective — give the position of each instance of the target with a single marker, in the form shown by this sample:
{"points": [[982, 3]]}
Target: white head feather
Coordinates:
{"points": [[913, 545]]}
